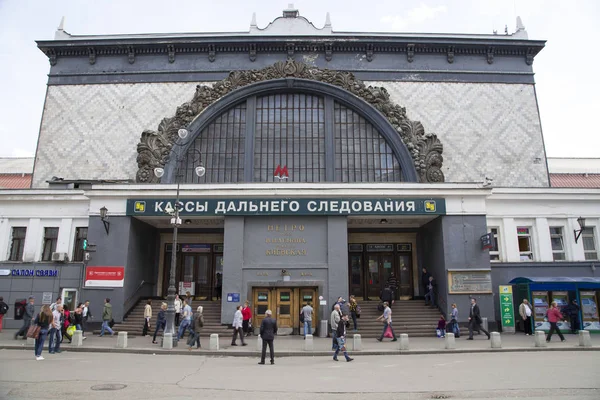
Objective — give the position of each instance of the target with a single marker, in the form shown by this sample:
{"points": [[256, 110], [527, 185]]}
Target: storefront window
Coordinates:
{"points": [[556, 238], [525, 244], [589, 244]]}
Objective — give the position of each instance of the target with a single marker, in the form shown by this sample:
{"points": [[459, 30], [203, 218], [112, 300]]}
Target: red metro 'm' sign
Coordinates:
{"points": [[104, 276], [281, 173]]}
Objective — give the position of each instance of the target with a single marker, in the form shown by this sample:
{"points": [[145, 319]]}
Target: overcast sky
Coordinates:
{"points": [[566, 71]]}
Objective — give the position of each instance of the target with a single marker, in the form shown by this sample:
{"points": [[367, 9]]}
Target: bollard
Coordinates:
{"points": [[77, 339], [584, 339], [308, 343], [450, 342], [214, 341], [323, 328], [258, 343], [122, 340], [496, 340], [403, 341], [167, 342], [540, 339], [484, 323], [357, 342], [30, 341]]}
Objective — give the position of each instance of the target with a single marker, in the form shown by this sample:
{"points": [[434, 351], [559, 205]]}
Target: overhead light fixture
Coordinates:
{"points": [[104, 218], [581, 222], [383, 221], [187, 221]]}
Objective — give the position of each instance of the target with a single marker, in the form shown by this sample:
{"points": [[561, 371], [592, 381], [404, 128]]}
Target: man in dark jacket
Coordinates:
{"points": [[3, 310], [29, 311], [475, 320], [268, 330], [572, 310], [387, 295], [425, 280]]}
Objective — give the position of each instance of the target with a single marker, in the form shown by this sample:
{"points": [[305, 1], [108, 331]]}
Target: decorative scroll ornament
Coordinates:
{"points": [[425, 148]]}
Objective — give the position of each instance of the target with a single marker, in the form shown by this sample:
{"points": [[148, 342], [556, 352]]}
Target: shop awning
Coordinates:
{"points": [[558, 282]]}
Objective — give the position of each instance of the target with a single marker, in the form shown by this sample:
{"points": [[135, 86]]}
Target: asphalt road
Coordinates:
{"points": [[543, 375]]}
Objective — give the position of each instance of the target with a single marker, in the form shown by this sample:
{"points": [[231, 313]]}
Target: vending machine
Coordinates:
{"points": [[540, 306], [562, 300], [589, 310]]}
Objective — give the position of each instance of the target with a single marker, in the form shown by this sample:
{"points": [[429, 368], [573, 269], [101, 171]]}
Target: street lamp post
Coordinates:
{"points": [[175, 222]]}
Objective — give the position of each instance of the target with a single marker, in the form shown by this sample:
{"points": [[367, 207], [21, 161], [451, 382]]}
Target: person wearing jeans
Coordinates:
{"points": [[106, 317], [187, 320], [387, 321], [55, 331], [554, 316], [307, 312], [44, 321], [429, 297]]}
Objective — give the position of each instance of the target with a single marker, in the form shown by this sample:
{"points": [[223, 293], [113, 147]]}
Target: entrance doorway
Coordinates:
{"points": [[372, 266], [199, 270], [285, 303]]}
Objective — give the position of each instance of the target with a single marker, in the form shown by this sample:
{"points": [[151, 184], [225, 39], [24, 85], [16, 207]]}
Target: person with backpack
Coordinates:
{"points": [[161, 321], [27, 317], [198, 323], [3, 310]]}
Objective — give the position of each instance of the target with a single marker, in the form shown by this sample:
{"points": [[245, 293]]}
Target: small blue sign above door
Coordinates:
{"points": [[233, 297]]}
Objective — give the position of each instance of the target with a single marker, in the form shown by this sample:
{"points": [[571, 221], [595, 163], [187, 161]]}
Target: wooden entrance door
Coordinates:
{"points": [[285, 304], [262, 302], [379, 268], [355, 270], [308, 296], [405, 285]]}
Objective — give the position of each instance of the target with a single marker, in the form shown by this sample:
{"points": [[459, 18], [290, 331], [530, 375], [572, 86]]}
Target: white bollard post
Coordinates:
{"points": [[258, 343], [403, 341], [308, 343], [484, 323], [357, 342], [323, 328], [214, 341], [450, 342], [77, 339], [540, 339], [496, 340], [584, 339], [122, 340], [167, 342]]}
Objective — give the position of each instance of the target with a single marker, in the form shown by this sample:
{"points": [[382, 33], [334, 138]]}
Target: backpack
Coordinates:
{"points": [[357, 310], [3, 308], [301, 316]]}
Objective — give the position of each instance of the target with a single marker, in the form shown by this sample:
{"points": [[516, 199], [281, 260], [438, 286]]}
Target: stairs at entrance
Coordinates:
{"points": [[408, 316], [133, 324]]}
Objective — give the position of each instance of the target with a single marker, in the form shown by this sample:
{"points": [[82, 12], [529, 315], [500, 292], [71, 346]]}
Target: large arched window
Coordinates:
{"points": [[297, 137]]}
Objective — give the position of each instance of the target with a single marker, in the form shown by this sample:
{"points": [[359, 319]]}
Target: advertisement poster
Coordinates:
{"points": [[507, 310], [589, 310], [104, 276], [540, 306]]}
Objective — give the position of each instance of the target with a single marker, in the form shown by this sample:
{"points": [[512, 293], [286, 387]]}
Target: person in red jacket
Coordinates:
{"points": [[246, 318], [553, 317]]}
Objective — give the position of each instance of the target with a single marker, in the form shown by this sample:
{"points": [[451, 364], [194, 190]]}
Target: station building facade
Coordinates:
{"points": [[308, 164]]}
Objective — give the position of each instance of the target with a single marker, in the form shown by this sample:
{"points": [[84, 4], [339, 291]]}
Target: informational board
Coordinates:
{"points": [[469, 281], [507, 310], [47, 298], [234, 297], [104, 276]]}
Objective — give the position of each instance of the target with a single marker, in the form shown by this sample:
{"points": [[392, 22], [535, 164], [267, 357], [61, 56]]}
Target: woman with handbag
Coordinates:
{"points": [[39, 330]]}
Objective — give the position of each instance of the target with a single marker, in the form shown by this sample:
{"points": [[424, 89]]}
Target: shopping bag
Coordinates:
{"points": [[438, 332], [71, 330], [33, 332], [388, 332]]}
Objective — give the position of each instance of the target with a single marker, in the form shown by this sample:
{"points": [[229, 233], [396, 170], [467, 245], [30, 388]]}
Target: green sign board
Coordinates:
{"points": [[507, 310], [287, 206]]}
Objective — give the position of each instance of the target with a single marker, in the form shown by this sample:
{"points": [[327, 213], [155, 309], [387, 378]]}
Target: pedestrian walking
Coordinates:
{"points": [[307, 312], [66, 322], [341, 339], [178, 306], [106, 318], [268, 330], [387, 295], [147, 317], [56, 303], [189, 298], [525, 313], [238, 320], [55, 330], [425, 280], [247, 318], [475, 320], [334, 319], [161, 321], [27, 317], [572, 310], [44, 320], [392, 282], [198, 323], [354, 312], [3, 310], [454, 321], [78, 318], [430, 296], [386, 317], [441, 327], [553, 317], [186, 322], [87, 315]]}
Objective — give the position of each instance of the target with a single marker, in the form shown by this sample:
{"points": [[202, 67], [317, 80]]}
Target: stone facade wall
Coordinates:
{"points": [[493, 130]]}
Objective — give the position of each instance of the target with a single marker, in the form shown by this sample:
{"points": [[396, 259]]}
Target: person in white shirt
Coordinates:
{"points": [[177, 309], [55, 335], [525, 313], [238, 320], [87, 314]]}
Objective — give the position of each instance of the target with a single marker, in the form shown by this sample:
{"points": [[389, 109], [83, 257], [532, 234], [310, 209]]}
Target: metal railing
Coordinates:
{"points": [[132, 300]]}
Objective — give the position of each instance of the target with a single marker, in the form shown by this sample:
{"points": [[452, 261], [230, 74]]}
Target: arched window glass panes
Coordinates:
{"points": [[290, 132], [361, 153], [222, 147]]}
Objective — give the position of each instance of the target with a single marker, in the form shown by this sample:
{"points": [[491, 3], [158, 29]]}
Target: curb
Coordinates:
{"points": [[222, 353]]}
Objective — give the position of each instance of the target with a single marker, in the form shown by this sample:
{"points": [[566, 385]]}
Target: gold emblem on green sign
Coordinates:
{"points": [[140, 206], [430, 206]]}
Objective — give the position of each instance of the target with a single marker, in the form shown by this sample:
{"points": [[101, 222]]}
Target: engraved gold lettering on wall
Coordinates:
{"points": [[306, 274], [285, 240], [262, 274]]}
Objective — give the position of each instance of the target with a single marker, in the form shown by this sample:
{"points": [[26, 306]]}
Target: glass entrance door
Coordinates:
{"points": [[284, 308], [356, 275], [405, 291], [380, 268]]}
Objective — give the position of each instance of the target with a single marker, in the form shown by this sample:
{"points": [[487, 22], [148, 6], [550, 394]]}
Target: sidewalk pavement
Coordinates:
{"points": [[288, 346]]}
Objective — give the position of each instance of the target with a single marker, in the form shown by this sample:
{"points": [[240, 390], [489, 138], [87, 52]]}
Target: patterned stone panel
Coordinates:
{"points": [[488, 130], [92, 131]]}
